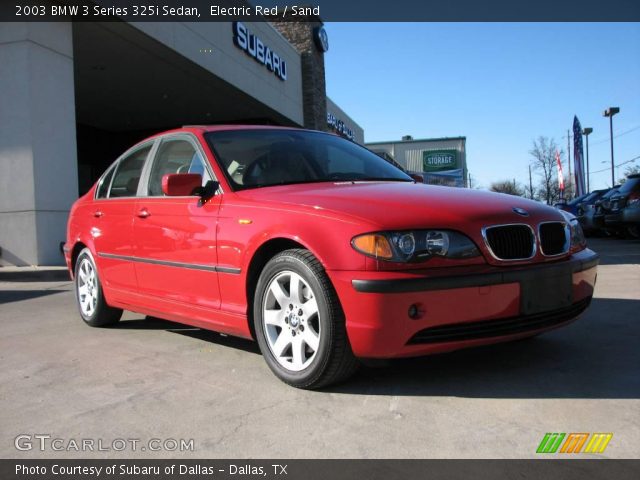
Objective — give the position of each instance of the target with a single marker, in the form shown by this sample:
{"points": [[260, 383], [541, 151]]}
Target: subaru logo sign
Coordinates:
{"points": [[520, 211]]}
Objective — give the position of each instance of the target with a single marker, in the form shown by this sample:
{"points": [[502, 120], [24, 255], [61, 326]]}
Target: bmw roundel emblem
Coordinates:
{"points": [[520, 211]]}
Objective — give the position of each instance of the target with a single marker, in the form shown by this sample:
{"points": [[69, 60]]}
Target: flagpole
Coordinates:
{"points": [[569, 158]]}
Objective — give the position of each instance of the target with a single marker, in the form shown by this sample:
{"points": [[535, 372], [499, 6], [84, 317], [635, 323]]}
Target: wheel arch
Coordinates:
{"points": [[265, 252], [75, 253]]}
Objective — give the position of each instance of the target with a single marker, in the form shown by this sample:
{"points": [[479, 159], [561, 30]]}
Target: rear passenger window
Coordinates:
{"points": [[175, 156], [127, 176], [103, 188]]}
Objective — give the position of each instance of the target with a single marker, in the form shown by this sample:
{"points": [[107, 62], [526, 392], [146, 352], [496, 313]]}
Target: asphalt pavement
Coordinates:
{"points": [[151, 379]]}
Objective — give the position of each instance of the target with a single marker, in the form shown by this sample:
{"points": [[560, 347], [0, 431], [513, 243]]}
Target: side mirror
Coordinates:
{"points": [[181, 184], [417, 177]]}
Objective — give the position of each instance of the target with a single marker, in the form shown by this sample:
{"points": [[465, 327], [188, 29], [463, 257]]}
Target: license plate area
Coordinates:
{"points": [[544, 292]]}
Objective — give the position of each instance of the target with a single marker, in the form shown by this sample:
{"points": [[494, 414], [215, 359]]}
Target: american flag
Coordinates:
{"points": [[578, 157], [560, 175]]}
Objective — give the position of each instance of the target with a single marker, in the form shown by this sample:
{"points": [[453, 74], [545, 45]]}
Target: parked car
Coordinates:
{"points": [[572, 205], [624, 213], [589, 200], [586, 208], [601, 208], [318, 249]]}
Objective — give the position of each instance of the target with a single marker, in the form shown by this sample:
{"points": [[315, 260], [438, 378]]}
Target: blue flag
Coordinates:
{"points": [[578, 157]]}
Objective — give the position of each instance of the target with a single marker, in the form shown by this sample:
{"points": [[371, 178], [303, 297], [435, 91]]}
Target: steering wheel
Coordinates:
{"points": [[247, 177]]}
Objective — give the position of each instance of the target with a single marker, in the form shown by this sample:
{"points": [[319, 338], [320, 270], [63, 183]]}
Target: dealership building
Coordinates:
{"points": [[441, 161], [76, 95]]}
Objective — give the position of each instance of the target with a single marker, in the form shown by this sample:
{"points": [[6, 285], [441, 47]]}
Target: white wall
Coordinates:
{"points": [[38, 167]]}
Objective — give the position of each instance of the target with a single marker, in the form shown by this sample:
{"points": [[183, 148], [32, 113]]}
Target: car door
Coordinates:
{"points": [[175, 237], [112, 222]]}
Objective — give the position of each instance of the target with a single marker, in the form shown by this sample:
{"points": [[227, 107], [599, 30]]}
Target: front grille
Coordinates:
{"points": [[497, 328], [553, 238], [511, 242]]}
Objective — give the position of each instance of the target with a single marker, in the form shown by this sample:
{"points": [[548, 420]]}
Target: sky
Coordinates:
{"points": [[499, 84]]}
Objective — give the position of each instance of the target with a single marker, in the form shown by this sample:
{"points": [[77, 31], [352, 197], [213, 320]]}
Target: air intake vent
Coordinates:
{"points": [[496, 328], [511, 242], [553, 238]]}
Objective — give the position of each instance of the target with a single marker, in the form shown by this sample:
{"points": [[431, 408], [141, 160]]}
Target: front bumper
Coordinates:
{"points": [[460, 308], [631, 215], [613, 219]]}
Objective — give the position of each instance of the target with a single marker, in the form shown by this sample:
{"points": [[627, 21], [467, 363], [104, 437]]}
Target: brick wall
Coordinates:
{"points": [[314, 94]]}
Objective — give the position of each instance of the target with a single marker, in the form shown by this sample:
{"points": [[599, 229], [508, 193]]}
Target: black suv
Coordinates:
{"points": [[624, 213]]}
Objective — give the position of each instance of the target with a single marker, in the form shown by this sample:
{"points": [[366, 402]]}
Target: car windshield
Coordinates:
{"points": [[267, 157], [629, 186], [579, 199], [609, 193]]}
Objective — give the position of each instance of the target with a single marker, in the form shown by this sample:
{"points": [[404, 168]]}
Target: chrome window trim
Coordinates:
{"points": [[189, 137], [100, 180], [567, 238], [115, 165], [534, 243]]}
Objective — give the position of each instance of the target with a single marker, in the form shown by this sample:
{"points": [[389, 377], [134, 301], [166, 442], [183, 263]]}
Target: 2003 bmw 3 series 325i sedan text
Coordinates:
{"points": [[318, 249]]}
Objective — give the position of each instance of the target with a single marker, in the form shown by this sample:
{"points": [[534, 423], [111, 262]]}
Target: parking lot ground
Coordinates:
{"points": [[148, 379]]}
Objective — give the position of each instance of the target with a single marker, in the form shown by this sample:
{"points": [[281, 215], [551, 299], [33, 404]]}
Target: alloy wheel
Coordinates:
{"points": [[291, 321], [87, 287]]}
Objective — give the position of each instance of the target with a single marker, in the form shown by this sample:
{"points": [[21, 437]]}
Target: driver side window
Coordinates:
{"points": [[175, 156]]}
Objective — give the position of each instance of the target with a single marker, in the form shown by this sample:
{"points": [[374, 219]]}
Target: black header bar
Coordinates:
{"points": [[327, 10]]}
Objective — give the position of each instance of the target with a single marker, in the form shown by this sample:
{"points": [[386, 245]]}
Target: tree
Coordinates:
{"points": [[630, 170], [543, 152], [510, 187]]}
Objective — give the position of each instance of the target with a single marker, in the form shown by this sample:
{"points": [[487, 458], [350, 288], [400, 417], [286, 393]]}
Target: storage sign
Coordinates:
{"points": [[439, 160]]}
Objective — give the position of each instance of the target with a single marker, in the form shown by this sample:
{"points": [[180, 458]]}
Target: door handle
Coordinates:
{"points": [[143, 213], [98, 213]]}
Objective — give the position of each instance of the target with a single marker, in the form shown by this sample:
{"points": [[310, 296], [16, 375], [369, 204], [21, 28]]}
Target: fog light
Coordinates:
{"points": [[414, 312]]}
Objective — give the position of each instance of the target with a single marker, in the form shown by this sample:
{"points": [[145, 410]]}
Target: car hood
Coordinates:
{"points": [[391, 205]]}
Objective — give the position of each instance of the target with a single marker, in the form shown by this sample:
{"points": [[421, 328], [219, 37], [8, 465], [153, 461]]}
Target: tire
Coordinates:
{"points": [[305, 346], [89, 296], [633, 231]]}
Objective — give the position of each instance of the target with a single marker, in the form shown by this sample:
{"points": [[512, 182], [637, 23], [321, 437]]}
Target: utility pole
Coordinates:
{"points": [[530, 184], [610, 112]]}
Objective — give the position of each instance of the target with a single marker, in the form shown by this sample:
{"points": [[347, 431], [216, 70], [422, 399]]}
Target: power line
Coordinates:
{"points": [[598, 142], [608, 169]]}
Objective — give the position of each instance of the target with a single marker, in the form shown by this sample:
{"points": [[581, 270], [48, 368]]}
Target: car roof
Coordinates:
{"points": [[219, 128], [214, 128]]}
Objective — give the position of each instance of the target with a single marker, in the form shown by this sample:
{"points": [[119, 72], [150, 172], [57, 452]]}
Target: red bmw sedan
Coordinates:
{"points": [[319, 250]]}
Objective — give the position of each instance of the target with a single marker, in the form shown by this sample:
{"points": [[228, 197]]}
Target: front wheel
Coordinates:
{"points": [[299, 323], [89, 296], [633, 231]]}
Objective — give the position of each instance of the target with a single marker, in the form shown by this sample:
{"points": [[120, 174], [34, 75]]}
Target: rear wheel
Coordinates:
{"points": [[91, 303], [299, 323]]}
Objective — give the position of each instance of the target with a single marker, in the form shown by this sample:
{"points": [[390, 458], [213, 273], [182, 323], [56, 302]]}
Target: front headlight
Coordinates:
{"points": [[415, 246], [578, 240]]}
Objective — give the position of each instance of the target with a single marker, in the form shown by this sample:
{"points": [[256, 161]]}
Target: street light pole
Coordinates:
{"points": [[586, 131], [610, 112]]}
